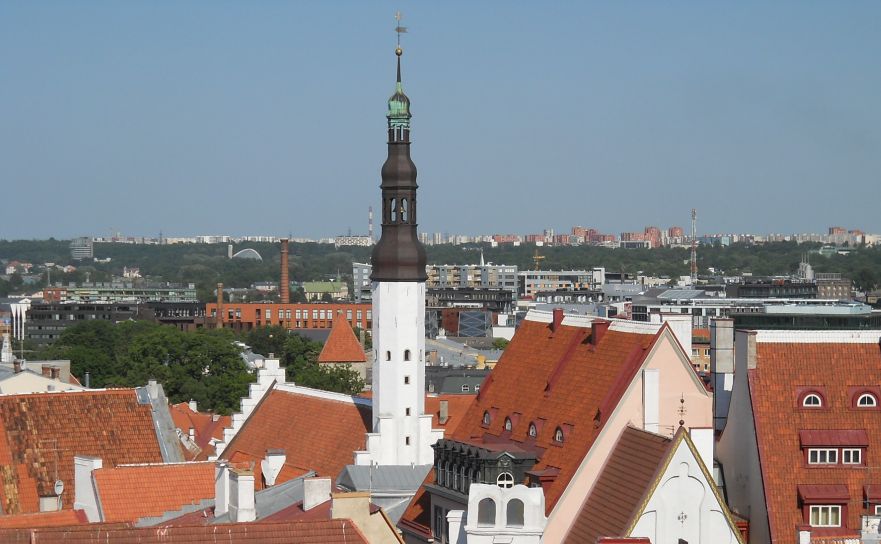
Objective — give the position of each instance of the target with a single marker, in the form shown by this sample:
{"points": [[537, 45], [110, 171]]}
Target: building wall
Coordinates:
{"points": [[677, 380], [684, 508], [249, 315]]}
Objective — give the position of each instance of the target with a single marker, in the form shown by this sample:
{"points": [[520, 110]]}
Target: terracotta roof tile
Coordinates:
{"points": [[39, 432], [623, 483], [205, 426], [554, 378], [316, 433], [783, 371], [61, 518], [337, 531], [128, 493], [341, 345]]}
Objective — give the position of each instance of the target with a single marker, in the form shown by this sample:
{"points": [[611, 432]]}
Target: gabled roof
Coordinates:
{"points": [[616, 498], [335, 531], [318, 430], [41, 433], [205, 427], [557, 378], [342, 346], [790, 363], [131, 492]]}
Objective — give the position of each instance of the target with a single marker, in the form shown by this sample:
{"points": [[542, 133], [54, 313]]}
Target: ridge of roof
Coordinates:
{"points": [[818, 337], [321, 394]]}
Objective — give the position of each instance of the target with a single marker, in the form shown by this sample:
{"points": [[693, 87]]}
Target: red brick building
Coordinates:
{"points": [[249, 315]]}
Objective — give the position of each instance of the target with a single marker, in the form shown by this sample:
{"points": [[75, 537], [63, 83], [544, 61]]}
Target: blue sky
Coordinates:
{"points": [[267, 117]]}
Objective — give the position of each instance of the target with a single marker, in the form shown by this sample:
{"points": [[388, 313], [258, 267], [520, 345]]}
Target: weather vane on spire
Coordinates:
{"points": [[400, 30]]}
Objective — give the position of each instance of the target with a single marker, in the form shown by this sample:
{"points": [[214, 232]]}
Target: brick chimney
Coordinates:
{"points": [[598, 329], [220, 304], [46, 370], [558, 319], [55, 372], [16, 366], [284, 285]]}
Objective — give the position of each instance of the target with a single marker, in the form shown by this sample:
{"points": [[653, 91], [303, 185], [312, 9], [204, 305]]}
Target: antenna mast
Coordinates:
{"points": [[693, 246]]}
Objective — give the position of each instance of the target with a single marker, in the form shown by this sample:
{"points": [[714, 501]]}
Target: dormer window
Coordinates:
{"points": [[533, 430], [508, 424], [486, 418], [558, 435], [812, 400], [867, 400]]}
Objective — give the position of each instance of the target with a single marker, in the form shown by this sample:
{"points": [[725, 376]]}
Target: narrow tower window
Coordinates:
{"points": [[388, 356], [403, 210], [394, 211], [406, 354]]}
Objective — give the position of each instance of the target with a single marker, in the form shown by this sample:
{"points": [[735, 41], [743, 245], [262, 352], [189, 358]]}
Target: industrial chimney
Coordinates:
{"points": [[370, 223], [220, 305], [284, 287]]}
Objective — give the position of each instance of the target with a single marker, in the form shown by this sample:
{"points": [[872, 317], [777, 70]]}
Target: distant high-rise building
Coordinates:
{"points": [[82, 248]]}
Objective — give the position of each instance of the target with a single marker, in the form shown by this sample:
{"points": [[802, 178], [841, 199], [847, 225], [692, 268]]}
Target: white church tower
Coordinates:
{"points": [[402, 433]]}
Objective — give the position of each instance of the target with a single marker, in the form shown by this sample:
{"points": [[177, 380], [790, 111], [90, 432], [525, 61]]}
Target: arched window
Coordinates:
{"points": [[394, 211], [406, 354], [533, 430], [486, 418], [388, 356], [558, 435], [812, 400], [867, 400], [449, 474], [506, 480], [514, 513], [508, 424], [455, 472], [404, 213], [486, 513]]}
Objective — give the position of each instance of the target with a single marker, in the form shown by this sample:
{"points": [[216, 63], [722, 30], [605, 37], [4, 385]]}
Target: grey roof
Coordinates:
{"points": [[681, 294], [272, 499], [390, 478]]}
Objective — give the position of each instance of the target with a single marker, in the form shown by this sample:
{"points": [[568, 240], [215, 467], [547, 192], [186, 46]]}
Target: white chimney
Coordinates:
{"points": [[651, 399], [194, 406], [241, 496], [85, 497], [221, 488], [456, 524], [703, 440], [804, 535], [316, 491], [681, 325], [271, 465]]}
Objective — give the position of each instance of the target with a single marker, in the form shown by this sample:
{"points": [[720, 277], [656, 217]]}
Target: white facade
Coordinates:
{"points": [[513, 515], [684, 506], [402, 433]]}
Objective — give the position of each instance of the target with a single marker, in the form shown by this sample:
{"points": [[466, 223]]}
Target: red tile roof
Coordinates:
{"points": [[337, 531], [782, 371], [60, 518], [317, 433], [205, 426], [548, 371], [341, 345], [457, 407], [128, 493], [41, 433], [825, 437], [624, 483], [823, 492]]}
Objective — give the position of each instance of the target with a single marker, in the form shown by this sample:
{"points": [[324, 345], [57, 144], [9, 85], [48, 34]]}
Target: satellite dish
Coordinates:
{"points": [[59, 487]]}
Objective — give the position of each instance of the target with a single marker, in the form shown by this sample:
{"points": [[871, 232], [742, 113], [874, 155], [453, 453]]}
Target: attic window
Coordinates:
{"points": [[406, 354], [533, 431], [812, 400], [506, 480], [508, 424], [558, 435], [465, 388], [486, 418], [867, 400]]}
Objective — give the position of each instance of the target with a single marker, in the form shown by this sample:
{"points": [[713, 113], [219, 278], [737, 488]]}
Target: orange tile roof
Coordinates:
{"points": [[60, 518], [547, 370], [316, 433], [341, 345], [205, 426], [784, 370], [131, 492], [457, 407], [41, 433], [336, 531]]}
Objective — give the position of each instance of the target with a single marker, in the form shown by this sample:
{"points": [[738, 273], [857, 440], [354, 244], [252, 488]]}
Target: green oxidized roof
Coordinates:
{"points": [[399, 104]]}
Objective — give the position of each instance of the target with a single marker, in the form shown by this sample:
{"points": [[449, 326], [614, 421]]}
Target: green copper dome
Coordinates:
{"points": [[399, 104]]}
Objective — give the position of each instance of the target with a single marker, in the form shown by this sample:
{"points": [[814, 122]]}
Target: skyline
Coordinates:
{"points": [[153, 118]]}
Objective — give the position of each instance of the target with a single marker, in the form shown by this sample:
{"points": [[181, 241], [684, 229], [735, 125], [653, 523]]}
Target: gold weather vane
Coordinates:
{"points": [[399, 29]]}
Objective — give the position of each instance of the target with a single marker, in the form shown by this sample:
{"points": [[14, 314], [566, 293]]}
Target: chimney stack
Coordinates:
{"points": [[444, 415], [284, 286], [16, 366], [55, 372], [88, 382], [46, 370], [315, 491], [558, 319], [271, 465], [220, 304], [597, 330], [241, 496]]}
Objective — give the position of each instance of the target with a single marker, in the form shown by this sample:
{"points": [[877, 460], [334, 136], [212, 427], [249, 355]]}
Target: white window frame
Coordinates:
{"points": [[505, 480], [878, 509], [465, 388], [818, 404], [822, 456], [869, 397], [508, 424], [828, 509], [533, 430], [855, 454]]}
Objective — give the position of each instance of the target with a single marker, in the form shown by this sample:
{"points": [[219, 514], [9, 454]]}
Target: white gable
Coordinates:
{"points": [[683, 505]]}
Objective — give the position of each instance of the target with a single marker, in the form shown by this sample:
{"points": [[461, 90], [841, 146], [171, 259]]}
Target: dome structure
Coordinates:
{"points": [[249, 254]]}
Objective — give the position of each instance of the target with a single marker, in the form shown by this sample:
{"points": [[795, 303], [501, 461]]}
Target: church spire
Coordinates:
{"points": [[399, 256]]}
